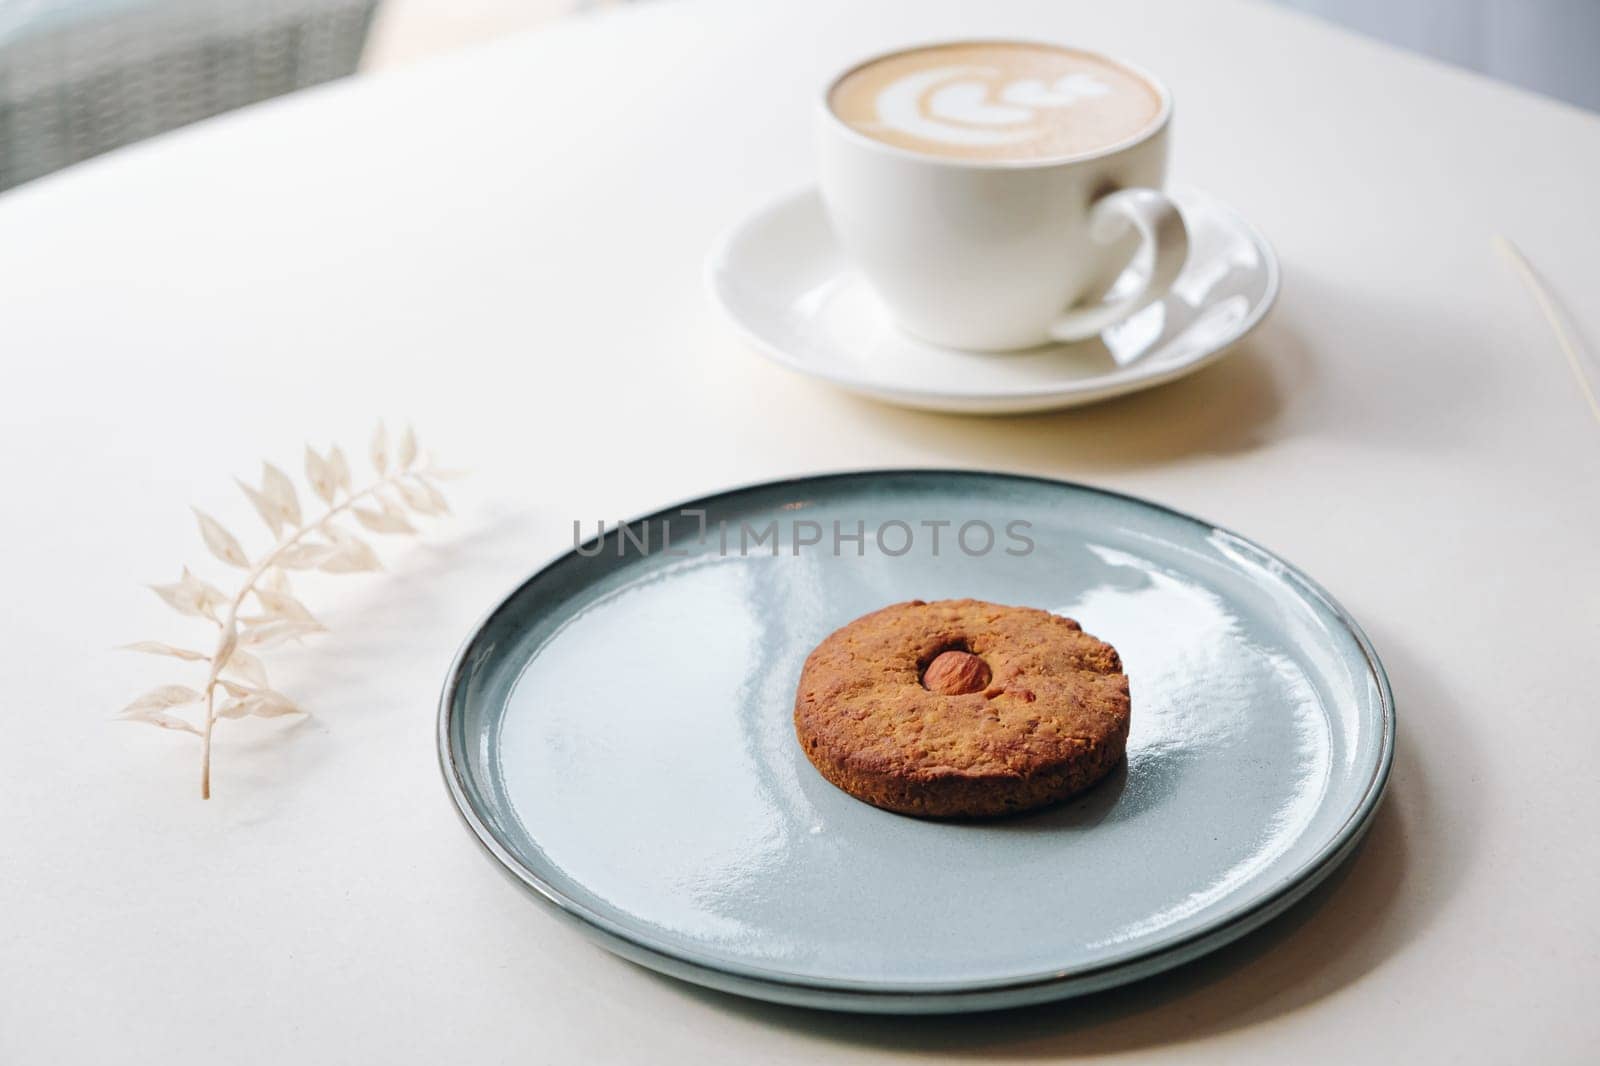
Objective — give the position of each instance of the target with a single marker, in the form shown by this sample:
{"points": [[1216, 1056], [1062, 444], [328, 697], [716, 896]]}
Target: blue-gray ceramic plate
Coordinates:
{"points": [[618, 736]]}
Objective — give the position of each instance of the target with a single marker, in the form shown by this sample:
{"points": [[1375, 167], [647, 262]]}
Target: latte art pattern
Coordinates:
{"points": [[958, 105], [996, 101]]}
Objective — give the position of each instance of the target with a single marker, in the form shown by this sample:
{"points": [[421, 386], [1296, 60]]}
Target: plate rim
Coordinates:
{"points": [[964, 994], [1018, 399]]}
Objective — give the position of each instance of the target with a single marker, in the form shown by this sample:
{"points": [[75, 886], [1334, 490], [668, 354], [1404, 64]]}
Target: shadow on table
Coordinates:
{"points": [[1227, 408], [416, 615], [1371, 381], [1365, 912]]}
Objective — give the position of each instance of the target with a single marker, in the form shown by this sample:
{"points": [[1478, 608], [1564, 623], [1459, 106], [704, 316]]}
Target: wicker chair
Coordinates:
{"points": [[80, 77]]}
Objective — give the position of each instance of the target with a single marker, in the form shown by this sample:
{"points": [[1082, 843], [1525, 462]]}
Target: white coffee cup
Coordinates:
{"points": [[1000, 254]]}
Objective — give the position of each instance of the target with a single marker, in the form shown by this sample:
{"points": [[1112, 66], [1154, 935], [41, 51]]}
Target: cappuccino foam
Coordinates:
{"points": [[996, 101]]}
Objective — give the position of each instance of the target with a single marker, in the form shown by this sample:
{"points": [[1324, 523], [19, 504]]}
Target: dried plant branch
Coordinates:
{"points": [[400, 490], [1547, 307]]}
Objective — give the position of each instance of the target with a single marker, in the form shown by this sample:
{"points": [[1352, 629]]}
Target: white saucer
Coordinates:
{"points": [[784, 282]]}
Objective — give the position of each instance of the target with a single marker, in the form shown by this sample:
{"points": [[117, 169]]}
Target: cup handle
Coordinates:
{"points": [[1160, 225]]}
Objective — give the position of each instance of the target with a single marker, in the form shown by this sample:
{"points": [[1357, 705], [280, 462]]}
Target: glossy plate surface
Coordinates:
{"points": [[618, 735], [783, 281]]}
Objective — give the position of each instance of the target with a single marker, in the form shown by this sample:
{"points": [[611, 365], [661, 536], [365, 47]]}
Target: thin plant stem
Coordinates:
{"points": [[1547, 306]]}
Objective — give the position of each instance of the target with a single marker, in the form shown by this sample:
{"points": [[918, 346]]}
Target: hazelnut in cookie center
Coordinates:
{"points": [[956, 673]]}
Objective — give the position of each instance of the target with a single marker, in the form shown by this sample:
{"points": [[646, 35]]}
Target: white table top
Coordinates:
{"points": [[506, 247]]}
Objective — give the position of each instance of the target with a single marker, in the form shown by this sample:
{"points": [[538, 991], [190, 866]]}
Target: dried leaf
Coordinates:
{"points": [[320, 475], [263, 704], [278, 489], [384, 521], [340, 467], [273, 633], [235, 688], [269, 514], [276, 581], [229, 641], [208, 594], [350, 559], [414, 497], [349, 554], [305, 556], [181, 599], [422, 497], [282, 605], [162, 697], [189, 595], [435, 497], [244, 665], [408, 448], [273, 705], [161, 719], [378, 450], [222, 543], [156, 647], [395, 511]]}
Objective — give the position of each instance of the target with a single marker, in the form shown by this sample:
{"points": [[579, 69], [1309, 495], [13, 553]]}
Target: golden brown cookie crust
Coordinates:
{"points": [[1051, 721]]}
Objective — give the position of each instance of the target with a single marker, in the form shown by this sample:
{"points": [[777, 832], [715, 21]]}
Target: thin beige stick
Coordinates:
{"points": [[1547, 305]]}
